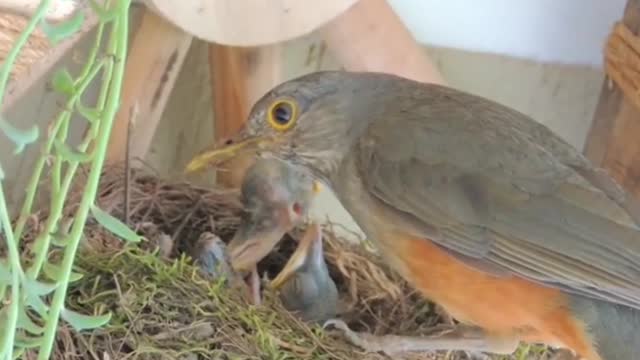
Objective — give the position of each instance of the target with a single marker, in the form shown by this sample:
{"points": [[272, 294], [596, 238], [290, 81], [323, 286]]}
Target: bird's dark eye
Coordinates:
{"points": [[282, 114]]}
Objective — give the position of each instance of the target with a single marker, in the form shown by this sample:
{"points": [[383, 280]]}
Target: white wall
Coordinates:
{"points": [[561, 31]]}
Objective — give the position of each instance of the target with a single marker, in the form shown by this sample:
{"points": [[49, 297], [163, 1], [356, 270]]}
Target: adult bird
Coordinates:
{"points": [[306, 288], [276, 197], [486, 211]]}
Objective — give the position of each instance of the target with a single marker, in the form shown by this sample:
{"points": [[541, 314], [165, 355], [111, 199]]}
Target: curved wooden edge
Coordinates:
{"points": [[249, 22], [58, 10]]}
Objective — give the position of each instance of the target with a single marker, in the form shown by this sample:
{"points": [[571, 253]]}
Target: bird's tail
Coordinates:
{"points": [[613, 328]]}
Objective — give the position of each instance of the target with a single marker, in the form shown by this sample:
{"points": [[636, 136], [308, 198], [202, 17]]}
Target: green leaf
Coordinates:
{"points": [[39, 244], [59, 239], [103, 14], [71, 155], [17, 353], [91, 114], [35, 302], [61, 31], [54, 272], [20, 137], [62, 82], [25, 322], [114, 225], [3, 330], [5, 272], [27, 342], [38, 288], [83, 322]]}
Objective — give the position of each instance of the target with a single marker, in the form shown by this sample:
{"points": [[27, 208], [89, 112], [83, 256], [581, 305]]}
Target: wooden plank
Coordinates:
{"points": [[249, 22], [37, 57], [371, 37], [154, 61], [612, 142], [239, 77]]}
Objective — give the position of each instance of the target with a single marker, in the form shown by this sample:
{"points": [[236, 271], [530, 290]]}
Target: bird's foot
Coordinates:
{"points": [[446, 337]]}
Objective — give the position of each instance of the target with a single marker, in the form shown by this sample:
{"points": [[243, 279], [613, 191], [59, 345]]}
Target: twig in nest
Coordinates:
{"points": [[127, 162], [186, 220]]}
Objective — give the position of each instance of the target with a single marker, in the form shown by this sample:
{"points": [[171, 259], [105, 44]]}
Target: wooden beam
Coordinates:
{"points": [[239, 77], [38, 57], [154, 61], [371, 37], [612, 142]]}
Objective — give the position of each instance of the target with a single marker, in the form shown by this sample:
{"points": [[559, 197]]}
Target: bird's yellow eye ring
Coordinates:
{"points": [[282, 114]]}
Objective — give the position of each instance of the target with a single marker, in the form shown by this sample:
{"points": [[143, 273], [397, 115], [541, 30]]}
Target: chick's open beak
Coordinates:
{"points": [[251, 244], [226, 150], [300, 256]]}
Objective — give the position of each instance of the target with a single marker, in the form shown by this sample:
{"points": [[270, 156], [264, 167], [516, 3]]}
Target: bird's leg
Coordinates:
{"points": [[457, 337], [448, 320], [254, 287]]}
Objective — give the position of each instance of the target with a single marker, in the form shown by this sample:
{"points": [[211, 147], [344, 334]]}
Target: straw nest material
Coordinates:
{"points": [[163, 308]]}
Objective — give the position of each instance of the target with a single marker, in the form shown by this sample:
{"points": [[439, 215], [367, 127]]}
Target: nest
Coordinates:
{"points": [[163, 308]]}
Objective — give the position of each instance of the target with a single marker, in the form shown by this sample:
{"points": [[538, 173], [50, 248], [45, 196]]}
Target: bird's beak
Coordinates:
{"points": [[227, 149], [247, 248], [305, 249]]}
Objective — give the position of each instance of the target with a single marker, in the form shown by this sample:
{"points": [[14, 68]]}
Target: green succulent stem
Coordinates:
{"points": [[118, 49]]}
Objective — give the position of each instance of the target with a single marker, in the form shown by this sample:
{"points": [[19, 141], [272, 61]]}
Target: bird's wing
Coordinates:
{"points": [[501, 191]]}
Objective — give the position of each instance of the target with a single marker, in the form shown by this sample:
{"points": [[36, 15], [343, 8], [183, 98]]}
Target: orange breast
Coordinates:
{"points": [[502, 305]]}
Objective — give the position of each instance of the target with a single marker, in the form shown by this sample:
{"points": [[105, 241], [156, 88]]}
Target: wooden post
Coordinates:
{"points": [[612, 142], [239, 77], [370, 36], [154, 61]]}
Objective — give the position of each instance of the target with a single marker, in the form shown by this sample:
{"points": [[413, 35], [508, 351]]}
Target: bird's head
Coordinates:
{"points": [[312, 121], [276, 197]]}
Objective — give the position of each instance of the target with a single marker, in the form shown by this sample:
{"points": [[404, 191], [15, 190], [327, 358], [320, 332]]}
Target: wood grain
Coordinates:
{"points": [[239, 77], [612, 141], [155, 58]]}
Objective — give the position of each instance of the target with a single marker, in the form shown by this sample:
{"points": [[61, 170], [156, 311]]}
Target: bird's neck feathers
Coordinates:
{"points": [[324, 151]]}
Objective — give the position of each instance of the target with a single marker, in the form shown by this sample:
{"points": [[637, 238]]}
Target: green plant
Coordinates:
{"points": [[33, 290]]}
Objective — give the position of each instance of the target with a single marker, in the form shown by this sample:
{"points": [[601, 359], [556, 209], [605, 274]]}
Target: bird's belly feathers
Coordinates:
{"points": [[509, 306]]}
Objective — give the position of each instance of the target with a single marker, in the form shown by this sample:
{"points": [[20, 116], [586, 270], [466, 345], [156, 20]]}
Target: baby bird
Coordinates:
{"points": [[305, 285], [277, 197]]}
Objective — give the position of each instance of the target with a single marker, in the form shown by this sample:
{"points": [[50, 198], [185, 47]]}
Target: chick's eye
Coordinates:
{"points": [[282, 114], [297, 209]]}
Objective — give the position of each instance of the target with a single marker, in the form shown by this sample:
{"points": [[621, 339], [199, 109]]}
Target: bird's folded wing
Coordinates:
{"points": [[507, 197]]}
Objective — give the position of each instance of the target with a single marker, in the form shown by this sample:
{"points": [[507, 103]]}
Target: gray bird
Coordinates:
{"points": [[211, 254], [305, 285], [484, 210], [276, 198]]}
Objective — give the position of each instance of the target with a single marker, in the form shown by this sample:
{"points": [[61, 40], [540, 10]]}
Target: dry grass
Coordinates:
{"points": [[164, 309]]}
